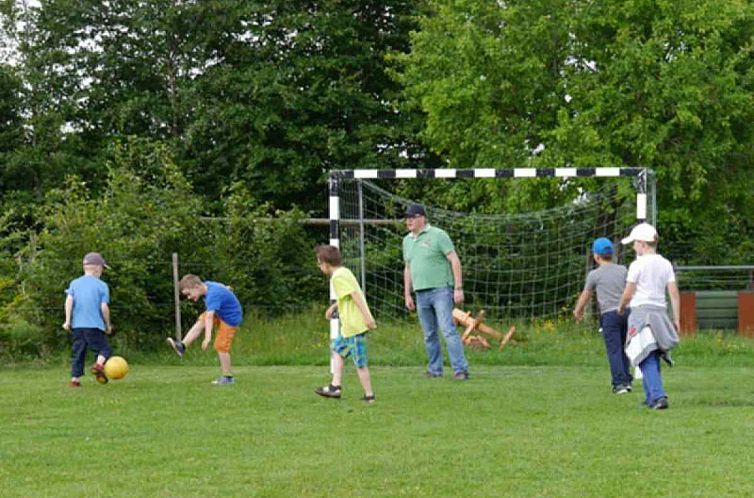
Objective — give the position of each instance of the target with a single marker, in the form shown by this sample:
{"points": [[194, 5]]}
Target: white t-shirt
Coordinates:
{"points": [[651, 273]]}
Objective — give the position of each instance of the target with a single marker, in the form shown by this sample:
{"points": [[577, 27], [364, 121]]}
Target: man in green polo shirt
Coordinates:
{"points": [[433, 271]]}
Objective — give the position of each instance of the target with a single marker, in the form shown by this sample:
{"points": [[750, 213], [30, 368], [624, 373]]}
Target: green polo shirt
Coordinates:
{"points": [[426, 255]]}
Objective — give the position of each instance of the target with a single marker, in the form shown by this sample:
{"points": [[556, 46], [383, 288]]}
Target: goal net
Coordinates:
{"points": [[523, 265]]}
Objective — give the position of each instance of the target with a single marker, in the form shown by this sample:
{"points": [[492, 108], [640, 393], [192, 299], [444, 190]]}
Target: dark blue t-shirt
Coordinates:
{"points": [[224, 303]]}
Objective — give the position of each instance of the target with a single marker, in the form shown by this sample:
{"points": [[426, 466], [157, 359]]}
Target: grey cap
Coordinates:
{"points": [[95, 258]]}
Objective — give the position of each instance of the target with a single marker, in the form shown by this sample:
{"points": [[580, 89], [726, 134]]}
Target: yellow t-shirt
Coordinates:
{"points": [[352, 322]]}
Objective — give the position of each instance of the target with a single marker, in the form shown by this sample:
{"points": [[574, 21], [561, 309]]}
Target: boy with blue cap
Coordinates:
{"points": [[608, 281]]}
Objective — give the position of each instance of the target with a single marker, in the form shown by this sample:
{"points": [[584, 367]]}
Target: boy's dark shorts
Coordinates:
{"points": [[94, 339], [354, 346]]}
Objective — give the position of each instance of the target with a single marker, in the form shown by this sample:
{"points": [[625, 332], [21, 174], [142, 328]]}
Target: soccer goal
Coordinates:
{"points": [[526, 265]]}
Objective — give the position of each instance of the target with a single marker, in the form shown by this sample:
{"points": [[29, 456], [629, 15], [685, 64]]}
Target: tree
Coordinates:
{"points": [[272, 94], [655, 83], [299, 88]]}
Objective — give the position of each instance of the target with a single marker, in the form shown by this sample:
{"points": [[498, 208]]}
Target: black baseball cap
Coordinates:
{"points": [[415, 210]]}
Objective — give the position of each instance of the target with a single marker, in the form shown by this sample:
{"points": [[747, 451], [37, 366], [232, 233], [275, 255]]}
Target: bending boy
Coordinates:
{"points": [[223, 310]]}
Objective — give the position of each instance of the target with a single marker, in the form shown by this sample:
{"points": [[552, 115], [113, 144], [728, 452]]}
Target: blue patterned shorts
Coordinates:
{"points": [[354, 346]]}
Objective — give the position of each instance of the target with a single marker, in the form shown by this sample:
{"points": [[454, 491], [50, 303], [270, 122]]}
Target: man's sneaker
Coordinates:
{"points": [[177, 346], [461, 375], [74, 383], [621, 389], [660, 404], [329, 391], [432, 375], [368, 399], [224, 380], [99, 373]]}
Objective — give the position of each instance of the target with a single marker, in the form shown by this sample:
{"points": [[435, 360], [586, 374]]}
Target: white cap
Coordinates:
{"points": [[643, 231]]}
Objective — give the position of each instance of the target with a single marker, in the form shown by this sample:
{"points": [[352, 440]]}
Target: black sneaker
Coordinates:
{"points": [[368, 399], [329, 391], [177, 346], [660, 404], [621, 389], [432, 375], [461, 375]]}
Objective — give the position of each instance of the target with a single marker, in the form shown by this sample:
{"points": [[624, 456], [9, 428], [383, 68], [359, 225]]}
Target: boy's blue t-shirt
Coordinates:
{"points": [[224, 303], [88, 293]]}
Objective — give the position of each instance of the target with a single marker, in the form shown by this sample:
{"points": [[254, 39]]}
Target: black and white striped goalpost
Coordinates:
{"points": [[336, 176]]}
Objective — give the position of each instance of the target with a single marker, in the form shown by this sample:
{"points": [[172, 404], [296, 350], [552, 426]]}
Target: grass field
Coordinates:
{"points": [[510, 431], [537, 419]]}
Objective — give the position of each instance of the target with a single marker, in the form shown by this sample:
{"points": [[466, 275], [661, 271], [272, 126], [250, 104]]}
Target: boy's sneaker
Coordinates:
{"points": [[660, 404], [329, 391], [368, 399], [432, 375], [74, 383], [99, 373], [224, 380], [621, 389], [177, 346]]}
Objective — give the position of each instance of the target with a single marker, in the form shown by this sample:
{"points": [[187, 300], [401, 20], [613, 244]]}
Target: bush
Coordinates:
{"points": [[21, 340], [147, 212]]}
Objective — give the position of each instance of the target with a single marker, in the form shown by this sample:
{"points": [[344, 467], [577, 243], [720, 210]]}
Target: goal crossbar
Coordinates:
{"points": [[336, 176]]}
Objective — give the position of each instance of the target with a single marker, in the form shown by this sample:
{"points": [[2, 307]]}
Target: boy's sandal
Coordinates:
{"points": [[329, 391]]}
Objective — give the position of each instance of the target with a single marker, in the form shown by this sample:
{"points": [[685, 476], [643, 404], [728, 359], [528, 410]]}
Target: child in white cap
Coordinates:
{"points": [[651, 334]]}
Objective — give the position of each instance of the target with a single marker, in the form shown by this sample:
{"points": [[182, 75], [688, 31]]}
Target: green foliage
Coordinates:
{"points": [[264, 255], [147, 212], [21, 341], [661, 84], [142, 218], [271, 94]]}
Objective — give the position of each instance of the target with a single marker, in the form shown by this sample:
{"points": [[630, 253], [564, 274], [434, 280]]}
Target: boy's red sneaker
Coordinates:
{"points": [[74, 383], [99, 373]]}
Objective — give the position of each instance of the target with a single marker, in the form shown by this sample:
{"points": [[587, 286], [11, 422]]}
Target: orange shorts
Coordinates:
{"points": [[224, 335]]}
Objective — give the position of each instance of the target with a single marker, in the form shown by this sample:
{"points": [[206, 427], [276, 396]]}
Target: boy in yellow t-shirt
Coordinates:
{"points": [[355, 321]]}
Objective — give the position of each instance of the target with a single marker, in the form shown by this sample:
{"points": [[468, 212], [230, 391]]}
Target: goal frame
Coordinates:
{"points": [[643, 185]]}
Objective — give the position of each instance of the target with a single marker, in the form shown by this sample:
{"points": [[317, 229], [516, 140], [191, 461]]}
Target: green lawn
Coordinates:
{"points": [[548, 431]]}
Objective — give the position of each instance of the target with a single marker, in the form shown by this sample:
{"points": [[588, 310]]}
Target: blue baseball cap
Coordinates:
{"points": [[603, 247]]}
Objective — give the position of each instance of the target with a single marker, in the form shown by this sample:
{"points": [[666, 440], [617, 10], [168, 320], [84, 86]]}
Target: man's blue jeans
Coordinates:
{"points": [[650, 369], [435, 309]]}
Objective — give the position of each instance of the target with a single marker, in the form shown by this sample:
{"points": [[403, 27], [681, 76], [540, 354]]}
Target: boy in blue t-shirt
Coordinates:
{"points": [[87, 316], [223, 310]]}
